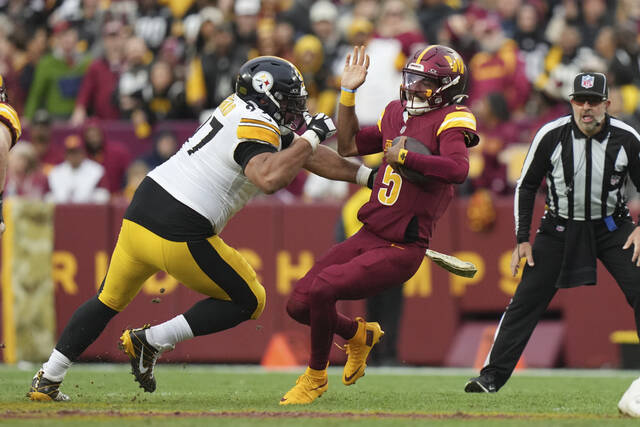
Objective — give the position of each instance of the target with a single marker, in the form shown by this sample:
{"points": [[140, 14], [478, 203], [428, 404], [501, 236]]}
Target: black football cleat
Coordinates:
{"points": [[142, 355], [481, 384], [45, 390]]}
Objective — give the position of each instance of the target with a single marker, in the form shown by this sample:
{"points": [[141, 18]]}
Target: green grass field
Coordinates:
{"points": [[199, 395]]}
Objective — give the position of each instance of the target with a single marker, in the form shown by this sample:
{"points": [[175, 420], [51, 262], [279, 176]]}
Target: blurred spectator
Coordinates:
{"points": [[179, 8], [24, 176], [565, 12], [284, 37], [172, 52], [165, 145], [48, 154], [627, 113], [36, 47], [496, 133], [368, 10], [529, 36], [432, 15], [563, 61], [384, 74], [625, 65], [308, 57], [399, 21], [58, 75], [164, 97], [77, 179], [627, 11], [212, 71], [133, 80], [91, 20], [594, 16], [11, 56], [111, 155], [270, 42], [246, 23], [456, 33], [507, 11], [323, 15], [497, 67], [97, 96], [27, 13], [152, 23], [541, 108], [136, 172]]}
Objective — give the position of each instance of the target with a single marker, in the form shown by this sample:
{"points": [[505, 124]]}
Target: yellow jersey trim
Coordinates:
{"points": [[457, 119], [258, 130], [11, 116]]}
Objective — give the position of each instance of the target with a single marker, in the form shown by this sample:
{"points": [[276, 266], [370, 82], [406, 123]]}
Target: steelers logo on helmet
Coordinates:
{"points": [[276, 86], [262, 82]]}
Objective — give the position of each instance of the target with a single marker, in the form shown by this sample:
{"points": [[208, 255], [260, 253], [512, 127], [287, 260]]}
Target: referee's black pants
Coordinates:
{"points": [[537, 288]]}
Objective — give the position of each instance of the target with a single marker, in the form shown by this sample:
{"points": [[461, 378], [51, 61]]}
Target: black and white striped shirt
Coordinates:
{"points": [[586, 176]]}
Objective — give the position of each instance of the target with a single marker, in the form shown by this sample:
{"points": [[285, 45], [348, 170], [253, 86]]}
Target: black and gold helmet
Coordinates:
{"points": [[277, 87]]}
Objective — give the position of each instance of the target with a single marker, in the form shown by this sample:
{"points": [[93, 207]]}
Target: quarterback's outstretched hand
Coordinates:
{"points": [[355, 69], [321, 124]]}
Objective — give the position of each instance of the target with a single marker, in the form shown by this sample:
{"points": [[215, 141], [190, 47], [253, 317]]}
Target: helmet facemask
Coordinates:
{"points": [[421, 93], [291, 109]]}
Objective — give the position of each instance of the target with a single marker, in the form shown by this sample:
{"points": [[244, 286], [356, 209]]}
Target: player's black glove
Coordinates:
{"points": [[372, 177], [322, 125]]}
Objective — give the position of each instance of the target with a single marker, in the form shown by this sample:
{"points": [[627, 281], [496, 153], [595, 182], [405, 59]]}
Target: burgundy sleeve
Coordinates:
{"points": [[87, 87], [369, 140], [452, 165]]}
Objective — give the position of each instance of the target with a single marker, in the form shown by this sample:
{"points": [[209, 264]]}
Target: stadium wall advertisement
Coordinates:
{"points": [[447, 320]]}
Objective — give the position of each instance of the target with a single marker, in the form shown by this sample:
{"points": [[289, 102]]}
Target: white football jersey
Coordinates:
{"points": [[203, 173]]}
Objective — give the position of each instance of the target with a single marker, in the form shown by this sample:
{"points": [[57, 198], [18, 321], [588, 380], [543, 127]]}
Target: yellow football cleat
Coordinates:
{"points": [[309, 386], [142, 356], [358, 349]]}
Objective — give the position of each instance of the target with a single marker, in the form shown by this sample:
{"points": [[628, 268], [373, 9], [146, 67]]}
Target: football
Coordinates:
{"points": [[415, 146]]}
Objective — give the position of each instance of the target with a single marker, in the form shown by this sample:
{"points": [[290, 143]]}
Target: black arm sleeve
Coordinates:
{"points": [[246, 150], [287, 140], [536, 165]]}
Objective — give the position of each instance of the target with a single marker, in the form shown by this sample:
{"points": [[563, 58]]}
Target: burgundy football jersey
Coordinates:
{"points": [[395, 201]]}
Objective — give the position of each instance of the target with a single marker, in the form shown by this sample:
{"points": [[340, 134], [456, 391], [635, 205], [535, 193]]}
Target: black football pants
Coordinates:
{"points": [[537, 288]]}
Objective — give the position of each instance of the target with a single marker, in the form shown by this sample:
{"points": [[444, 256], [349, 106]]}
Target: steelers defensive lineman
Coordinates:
{"points": [[9, 135], [173, 222]]}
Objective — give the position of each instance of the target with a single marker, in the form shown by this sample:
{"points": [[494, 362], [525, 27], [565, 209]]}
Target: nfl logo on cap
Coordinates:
{"points": [[587, 81], [590, 84]]}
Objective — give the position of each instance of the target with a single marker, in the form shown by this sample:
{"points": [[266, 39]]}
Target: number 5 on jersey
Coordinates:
{"points": [[393, 181]]}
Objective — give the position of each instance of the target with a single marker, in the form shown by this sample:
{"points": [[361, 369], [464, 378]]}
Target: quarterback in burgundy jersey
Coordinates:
{"points": [[400, 215]]}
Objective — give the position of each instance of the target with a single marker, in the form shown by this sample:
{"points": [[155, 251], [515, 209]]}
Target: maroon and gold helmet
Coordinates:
{"points": [[3, 91], [433, 78]]}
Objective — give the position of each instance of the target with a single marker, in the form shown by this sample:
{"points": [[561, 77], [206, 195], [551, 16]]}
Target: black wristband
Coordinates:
{"points": [[372, 177]]}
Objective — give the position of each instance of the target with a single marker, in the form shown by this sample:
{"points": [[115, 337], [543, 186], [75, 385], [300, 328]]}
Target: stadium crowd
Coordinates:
{"points": [[83, 64]]}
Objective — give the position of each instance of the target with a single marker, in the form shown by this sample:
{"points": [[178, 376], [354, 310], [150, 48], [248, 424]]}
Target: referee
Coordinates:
{"points": [[586, 159]]}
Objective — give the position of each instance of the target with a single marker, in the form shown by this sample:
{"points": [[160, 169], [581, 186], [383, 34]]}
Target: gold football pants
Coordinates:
{"points": [[209, 267]]}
